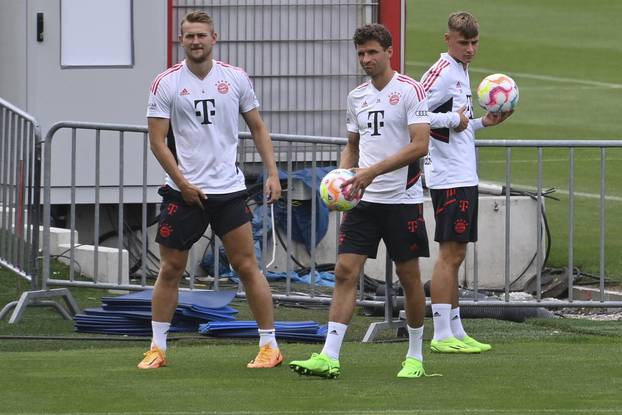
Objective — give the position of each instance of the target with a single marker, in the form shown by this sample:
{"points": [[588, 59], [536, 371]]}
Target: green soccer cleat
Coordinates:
{"points": [[318, 365], [411, 368], [470, 341], [452, 345]]}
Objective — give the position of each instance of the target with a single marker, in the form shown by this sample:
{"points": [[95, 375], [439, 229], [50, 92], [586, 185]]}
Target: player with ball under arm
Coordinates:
{"points": [[388, 132], [451, 175]]}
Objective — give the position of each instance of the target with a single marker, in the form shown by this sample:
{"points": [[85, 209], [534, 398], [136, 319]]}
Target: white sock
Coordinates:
{"points": [[440, 316], [334, 339], [415, 342], [159, 330], [456, 324], [267, 336]]}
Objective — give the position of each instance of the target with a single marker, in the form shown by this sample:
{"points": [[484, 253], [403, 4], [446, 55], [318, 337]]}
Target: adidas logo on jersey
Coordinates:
{"points": [[184, 92]]}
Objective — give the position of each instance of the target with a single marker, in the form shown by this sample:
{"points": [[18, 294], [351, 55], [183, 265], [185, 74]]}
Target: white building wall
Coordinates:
{"points": [[32, 78], [13, 51]]}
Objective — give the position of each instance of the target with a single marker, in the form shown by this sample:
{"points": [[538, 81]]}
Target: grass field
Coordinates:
{"points": [[551, 366], [564, 57]]}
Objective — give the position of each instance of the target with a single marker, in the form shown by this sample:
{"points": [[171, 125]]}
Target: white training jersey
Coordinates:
{"points": [[204, 115], [451, 158], [381, 118]]}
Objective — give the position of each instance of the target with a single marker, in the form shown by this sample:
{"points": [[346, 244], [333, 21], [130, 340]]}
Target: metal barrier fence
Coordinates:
{"points": [[20, 194], [20, 181], [293, 152]]}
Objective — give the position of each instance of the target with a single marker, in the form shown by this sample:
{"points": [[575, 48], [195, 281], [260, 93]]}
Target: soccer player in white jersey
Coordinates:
{"points": [[451, 174], [388, 130], [200, 100]]}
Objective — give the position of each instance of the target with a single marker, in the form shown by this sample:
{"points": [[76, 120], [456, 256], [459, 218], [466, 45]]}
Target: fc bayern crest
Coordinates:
{"points": [[394, 98], [460, 226], [222, 87]]}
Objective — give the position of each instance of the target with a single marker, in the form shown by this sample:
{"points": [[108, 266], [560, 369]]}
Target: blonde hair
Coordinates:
{"points": [[464, 23], [196, 17]]}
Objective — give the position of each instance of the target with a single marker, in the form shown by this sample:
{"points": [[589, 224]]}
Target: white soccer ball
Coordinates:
{"points": [[497, 93], [331, 192]]}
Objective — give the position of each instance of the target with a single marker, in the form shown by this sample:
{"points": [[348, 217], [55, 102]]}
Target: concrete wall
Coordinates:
{"points": [[491, 245]]}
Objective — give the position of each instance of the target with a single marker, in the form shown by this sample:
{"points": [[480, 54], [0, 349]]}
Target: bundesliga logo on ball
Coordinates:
{"points": [[498, 93], [331, 192]]}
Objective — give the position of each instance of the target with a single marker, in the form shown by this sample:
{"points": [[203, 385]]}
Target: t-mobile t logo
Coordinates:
{"points": [[377, 117], [203, 110]]}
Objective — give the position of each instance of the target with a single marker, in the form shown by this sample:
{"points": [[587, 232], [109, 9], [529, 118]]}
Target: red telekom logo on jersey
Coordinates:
{"points": [[394, 98], [222, 87]]}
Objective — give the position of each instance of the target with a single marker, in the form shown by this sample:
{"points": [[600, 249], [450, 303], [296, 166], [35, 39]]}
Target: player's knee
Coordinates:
{"points": [[245, 266], [453, 257], [409, 276], [345, 274], [171, 271]]}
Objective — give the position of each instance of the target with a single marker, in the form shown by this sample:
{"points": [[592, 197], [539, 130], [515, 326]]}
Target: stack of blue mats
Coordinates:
{"points": [[309, 331], [131, 314]]}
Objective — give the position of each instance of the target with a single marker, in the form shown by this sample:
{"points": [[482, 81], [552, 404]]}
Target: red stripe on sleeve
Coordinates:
{"points": [[433, 74], [156, 81]]}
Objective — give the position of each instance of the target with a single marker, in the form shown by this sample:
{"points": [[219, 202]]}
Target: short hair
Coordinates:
{"points": [[196, 17], [464, 23], [375, 32]]}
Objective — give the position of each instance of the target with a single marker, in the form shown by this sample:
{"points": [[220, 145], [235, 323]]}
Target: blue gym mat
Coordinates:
{"points": [[289, 330], [207, 299], [130, 314], [207, 312]]}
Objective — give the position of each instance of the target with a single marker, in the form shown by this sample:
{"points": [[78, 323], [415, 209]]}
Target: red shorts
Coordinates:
{"points": [[181, 225], [455, 211], [400, 226]]}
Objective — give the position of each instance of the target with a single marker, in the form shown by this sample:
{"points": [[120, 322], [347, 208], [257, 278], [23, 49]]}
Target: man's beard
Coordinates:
{"points": [[200, 59]]}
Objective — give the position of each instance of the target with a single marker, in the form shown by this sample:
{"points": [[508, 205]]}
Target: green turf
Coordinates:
{"points": [[518, 377], [564, 56], [537, 367]]}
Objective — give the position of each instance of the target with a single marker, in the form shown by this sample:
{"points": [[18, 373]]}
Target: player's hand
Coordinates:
{"points": [[464, 120], [192, 195], [358, 184], [272, 189], [494, 118]]}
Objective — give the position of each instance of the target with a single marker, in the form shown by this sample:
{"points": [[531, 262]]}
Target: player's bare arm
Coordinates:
{"points": [[494, 118], [263, 142], [350, 153], [417, 148], [158, 129]]}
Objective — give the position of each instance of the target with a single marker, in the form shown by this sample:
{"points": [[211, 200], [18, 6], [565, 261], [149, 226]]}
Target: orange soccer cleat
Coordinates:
{"points": [[266, 358], [154, 359]]}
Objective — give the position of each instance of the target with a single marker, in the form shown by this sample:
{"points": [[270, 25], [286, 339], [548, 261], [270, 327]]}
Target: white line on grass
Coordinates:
{"points": [[534, 76], [367, 412], [535, 161], [566, 87], [564, 192]]}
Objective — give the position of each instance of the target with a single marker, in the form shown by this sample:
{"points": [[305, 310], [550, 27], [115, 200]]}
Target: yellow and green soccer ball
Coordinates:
{"points": [[497, 93], [331, 192]]}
